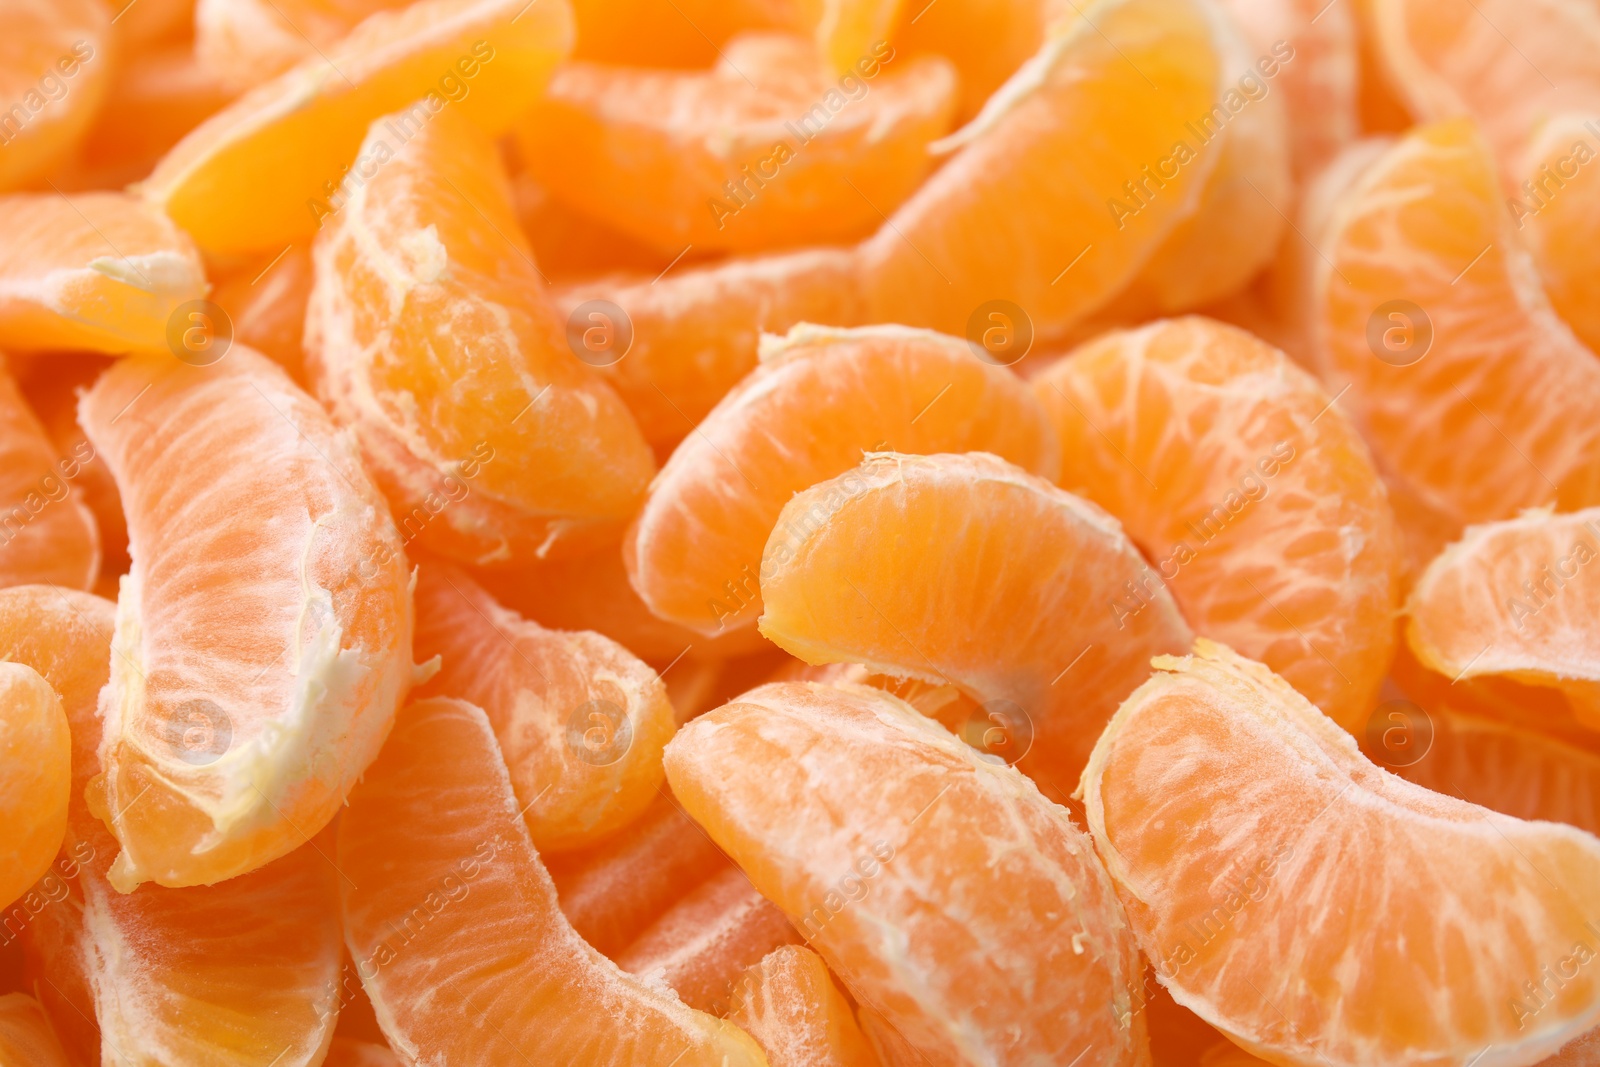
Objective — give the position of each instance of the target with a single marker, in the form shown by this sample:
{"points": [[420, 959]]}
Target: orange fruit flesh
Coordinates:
{"points": [[47, 534], [968, 572], [25, 1034], [819, 399], [432, 825], [703, 943], [613, 892], [568, 245], [162, 975], [243, 501], [1398, 900], [428, 335], [346, 1053], [1559, 217], [54, 68], [247, 42], [788, 1002], [267, 304], [581, 722], [96, 271], [1252, 495], [944, 891], [987, 42], [241, 182], [767, 149], [37, 750]]}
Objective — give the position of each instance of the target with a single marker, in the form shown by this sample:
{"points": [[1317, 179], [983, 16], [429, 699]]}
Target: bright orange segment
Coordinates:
{"points": [[1518, 599], [581, 722], [967, 572], [768, 149], [940, 886], [787, 1001], [986, 41], [47, 533], [54, 68], [247, 42], [819, 399], [25, 1035], [96, 271], [37, 753], [266, 170], [428, 335], [436, 856], [346, 1053], [1249, 490], [1558, 216], [264, 632], [1236, 820]]}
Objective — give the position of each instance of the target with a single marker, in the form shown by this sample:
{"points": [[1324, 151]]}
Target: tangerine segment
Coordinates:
{"points": [[1517, 599], [1000, 222], [246, 42], [53, 76], [1235, 819], [434, 821], [26, 1039], [966, 571], [819, 399], [267, 303], [37, 752], [1466, 384], [767, 149], [788, 1002], [101, 272], [47, 533], [163, 976], [264, 631], [581, 721], [1558, 216], [267, 169], [945, 891], [1253, 494], [986, 41], [347, 1053], [428, 335], [703, 943]]}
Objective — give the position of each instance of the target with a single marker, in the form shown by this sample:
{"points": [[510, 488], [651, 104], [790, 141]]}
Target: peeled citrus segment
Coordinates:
{"points": [[26, 1039], [787, 1001], [47, 533], [1558, 216], [346, 1053], [1517, 598], [267, 305], [768, 149], [891, 1049], [264, 632], [581, 722], [940, 886], [819, 399], [54, 68], [37, 753], [139, 26], [966, 571], [96, 271], [1235, 818], [703, 943], [1253, 495], [1467, 385], [434, 822], [268, 169], [989, 227], [613, 892], [162, 975], [986, 41], [427, 334], [247, 42]]}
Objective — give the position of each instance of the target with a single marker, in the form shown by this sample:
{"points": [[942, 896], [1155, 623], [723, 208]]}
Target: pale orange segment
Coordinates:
{"points": [[581, 721], [97, 271], [788, 1002], [47, 533], [54, 68], [36, 750], [1236, 819], [1248, 489], [969, 572], [26, 1039], [247, 42], [437, 855], [1558, 216], [768, 149], [819, 399], [702, 945], [428, 334], [163, 976], [940, 886], [1519, 599], [264, 632], [1469, 389], [259, 174]]}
